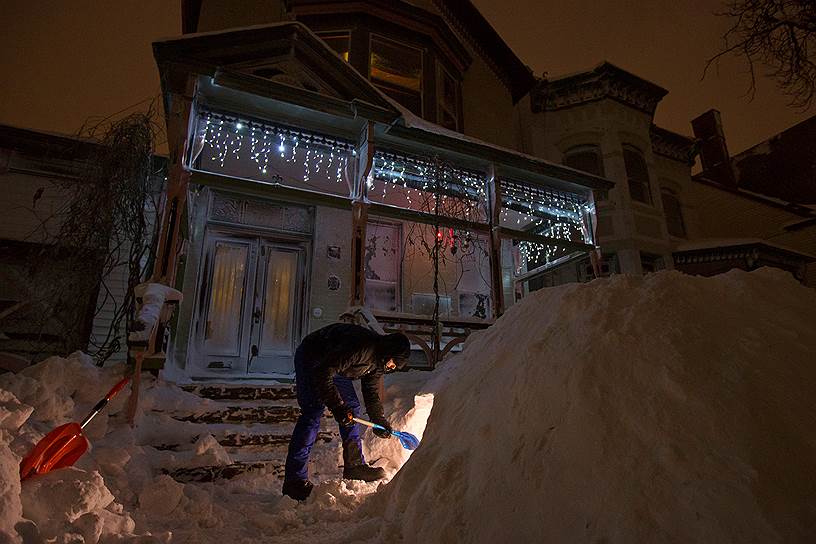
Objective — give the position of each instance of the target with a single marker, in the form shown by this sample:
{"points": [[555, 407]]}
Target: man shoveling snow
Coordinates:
{"points": [[326, 363]]}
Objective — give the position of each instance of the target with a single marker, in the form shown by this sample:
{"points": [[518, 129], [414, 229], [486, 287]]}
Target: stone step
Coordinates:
{"points": [[244, 415], [242, 392], [236, 440], [225, 472], [239, 440]]}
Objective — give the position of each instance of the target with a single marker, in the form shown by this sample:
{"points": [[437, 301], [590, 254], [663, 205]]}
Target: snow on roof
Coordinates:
{"points": [[713, 243]]}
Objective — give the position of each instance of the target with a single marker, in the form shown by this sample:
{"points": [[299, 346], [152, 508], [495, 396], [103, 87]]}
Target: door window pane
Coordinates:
{"points": [[223, 328], [396, 69], [279, 301]]}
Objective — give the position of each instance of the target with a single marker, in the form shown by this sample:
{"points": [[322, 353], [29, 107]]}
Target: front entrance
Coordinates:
{"points": [[250, 305]]}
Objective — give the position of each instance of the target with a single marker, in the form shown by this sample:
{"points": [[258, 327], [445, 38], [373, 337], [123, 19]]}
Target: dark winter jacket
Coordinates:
{"points": [[348, 350]]}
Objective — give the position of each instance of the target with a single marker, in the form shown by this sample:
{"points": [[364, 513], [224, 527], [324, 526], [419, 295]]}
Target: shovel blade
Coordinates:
{"points": [[408, 441], [59, 448]]}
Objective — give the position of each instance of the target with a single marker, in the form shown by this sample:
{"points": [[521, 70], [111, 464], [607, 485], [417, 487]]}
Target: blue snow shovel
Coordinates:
{"points": [[408, 441]]}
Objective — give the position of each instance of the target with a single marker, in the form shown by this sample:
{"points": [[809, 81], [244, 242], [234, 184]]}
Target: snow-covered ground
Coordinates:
{"points": [[660, 409]]}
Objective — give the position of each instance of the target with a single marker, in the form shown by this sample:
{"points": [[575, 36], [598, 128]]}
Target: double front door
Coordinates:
{"points": [[251, 294]]}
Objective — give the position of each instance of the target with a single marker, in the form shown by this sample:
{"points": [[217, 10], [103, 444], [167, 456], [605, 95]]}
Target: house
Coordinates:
{"points": [[398, 155], [335, 154]]}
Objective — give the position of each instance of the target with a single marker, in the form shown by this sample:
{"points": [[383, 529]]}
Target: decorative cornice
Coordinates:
{"points": [[672, 145], [604, 81]]}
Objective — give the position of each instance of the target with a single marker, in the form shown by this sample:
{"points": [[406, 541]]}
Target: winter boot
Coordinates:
{"points": [[298, 489], [355, 468]]}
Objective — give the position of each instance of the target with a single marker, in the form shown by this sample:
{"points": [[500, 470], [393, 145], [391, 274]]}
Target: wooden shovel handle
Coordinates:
{"points": [[367, 423]]}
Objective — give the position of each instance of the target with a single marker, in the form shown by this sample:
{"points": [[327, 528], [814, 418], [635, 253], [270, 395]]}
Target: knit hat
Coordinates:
{"points": [[395, 346]]}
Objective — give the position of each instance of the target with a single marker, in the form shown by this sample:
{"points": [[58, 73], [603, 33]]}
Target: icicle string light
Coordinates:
{"points": [[540, 210], [227, 137]]}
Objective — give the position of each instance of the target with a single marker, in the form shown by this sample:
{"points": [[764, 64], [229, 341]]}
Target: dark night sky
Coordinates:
{"points": [[62, 66]]}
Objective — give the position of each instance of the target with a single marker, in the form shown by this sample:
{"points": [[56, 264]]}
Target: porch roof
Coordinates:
{"points": [[213, 55]]}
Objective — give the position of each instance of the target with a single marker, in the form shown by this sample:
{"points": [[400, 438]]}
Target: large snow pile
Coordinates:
{"points": [[668, 408]]}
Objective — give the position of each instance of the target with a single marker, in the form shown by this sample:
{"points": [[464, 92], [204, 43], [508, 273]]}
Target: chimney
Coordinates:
{"points": [[713, 151]]}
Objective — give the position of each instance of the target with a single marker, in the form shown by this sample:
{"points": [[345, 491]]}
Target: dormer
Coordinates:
{"points": [[408, 52]]}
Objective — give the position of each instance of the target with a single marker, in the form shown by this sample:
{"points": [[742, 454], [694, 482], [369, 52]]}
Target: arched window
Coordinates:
{"points": [[637, 175], [586, 158], [674, 213]]}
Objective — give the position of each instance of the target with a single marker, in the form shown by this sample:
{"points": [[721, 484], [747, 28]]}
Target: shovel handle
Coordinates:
{"points": [[368, 423], [116, 388], [102, 403]]}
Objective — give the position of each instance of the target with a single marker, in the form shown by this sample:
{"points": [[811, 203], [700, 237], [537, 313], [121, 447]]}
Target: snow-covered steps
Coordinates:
{"points": [[252, 423]]}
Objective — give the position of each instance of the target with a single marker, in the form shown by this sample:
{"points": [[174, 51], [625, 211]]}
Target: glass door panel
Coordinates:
{"points": [[224, 322], [279, 303], [276, 321]]}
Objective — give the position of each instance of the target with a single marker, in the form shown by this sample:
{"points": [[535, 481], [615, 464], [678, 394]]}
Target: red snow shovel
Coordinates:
{"points": [[65, 444]]}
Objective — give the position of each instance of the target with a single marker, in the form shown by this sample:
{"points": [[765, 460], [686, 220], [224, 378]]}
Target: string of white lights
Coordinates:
{"points": [[226, 137], [541, 210]]}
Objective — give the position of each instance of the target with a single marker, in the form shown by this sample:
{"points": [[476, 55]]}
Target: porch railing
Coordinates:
{"points": [[435, 340]]}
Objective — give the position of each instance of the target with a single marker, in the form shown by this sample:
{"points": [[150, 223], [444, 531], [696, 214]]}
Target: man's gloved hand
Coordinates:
{"points": [[344, 416], [382, 433]]}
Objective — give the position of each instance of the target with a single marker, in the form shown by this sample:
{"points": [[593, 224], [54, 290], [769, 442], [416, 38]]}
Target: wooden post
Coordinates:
{"points": [[590, 228], [359, 218], [178, 119], [179, 109], [494, 207], [359, 214]]}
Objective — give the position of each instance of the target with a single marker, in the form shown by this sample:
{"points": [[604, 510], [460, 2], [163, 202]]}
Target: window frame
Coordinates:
{"points": [[644, 184], [334, 34], [371, 224], [372, 36], [672, 194], [442, 72], [596, 150], [653, 261]]}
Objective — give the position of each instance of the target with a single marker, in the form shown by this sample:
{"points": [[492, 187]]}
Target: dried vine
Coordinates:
{"points": [[104, 235]]}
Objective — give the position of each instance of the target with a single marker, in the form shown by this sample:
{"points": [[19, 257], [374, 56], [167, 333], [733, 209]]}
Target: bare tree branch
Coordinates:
{"points": [[778, 36]]}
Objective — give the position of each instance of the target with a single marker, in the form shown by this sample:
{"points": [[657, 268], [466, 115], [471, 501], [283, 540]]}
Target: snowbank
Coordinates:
{"points": [[117, 491], [668, 408], [72, 504]]}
